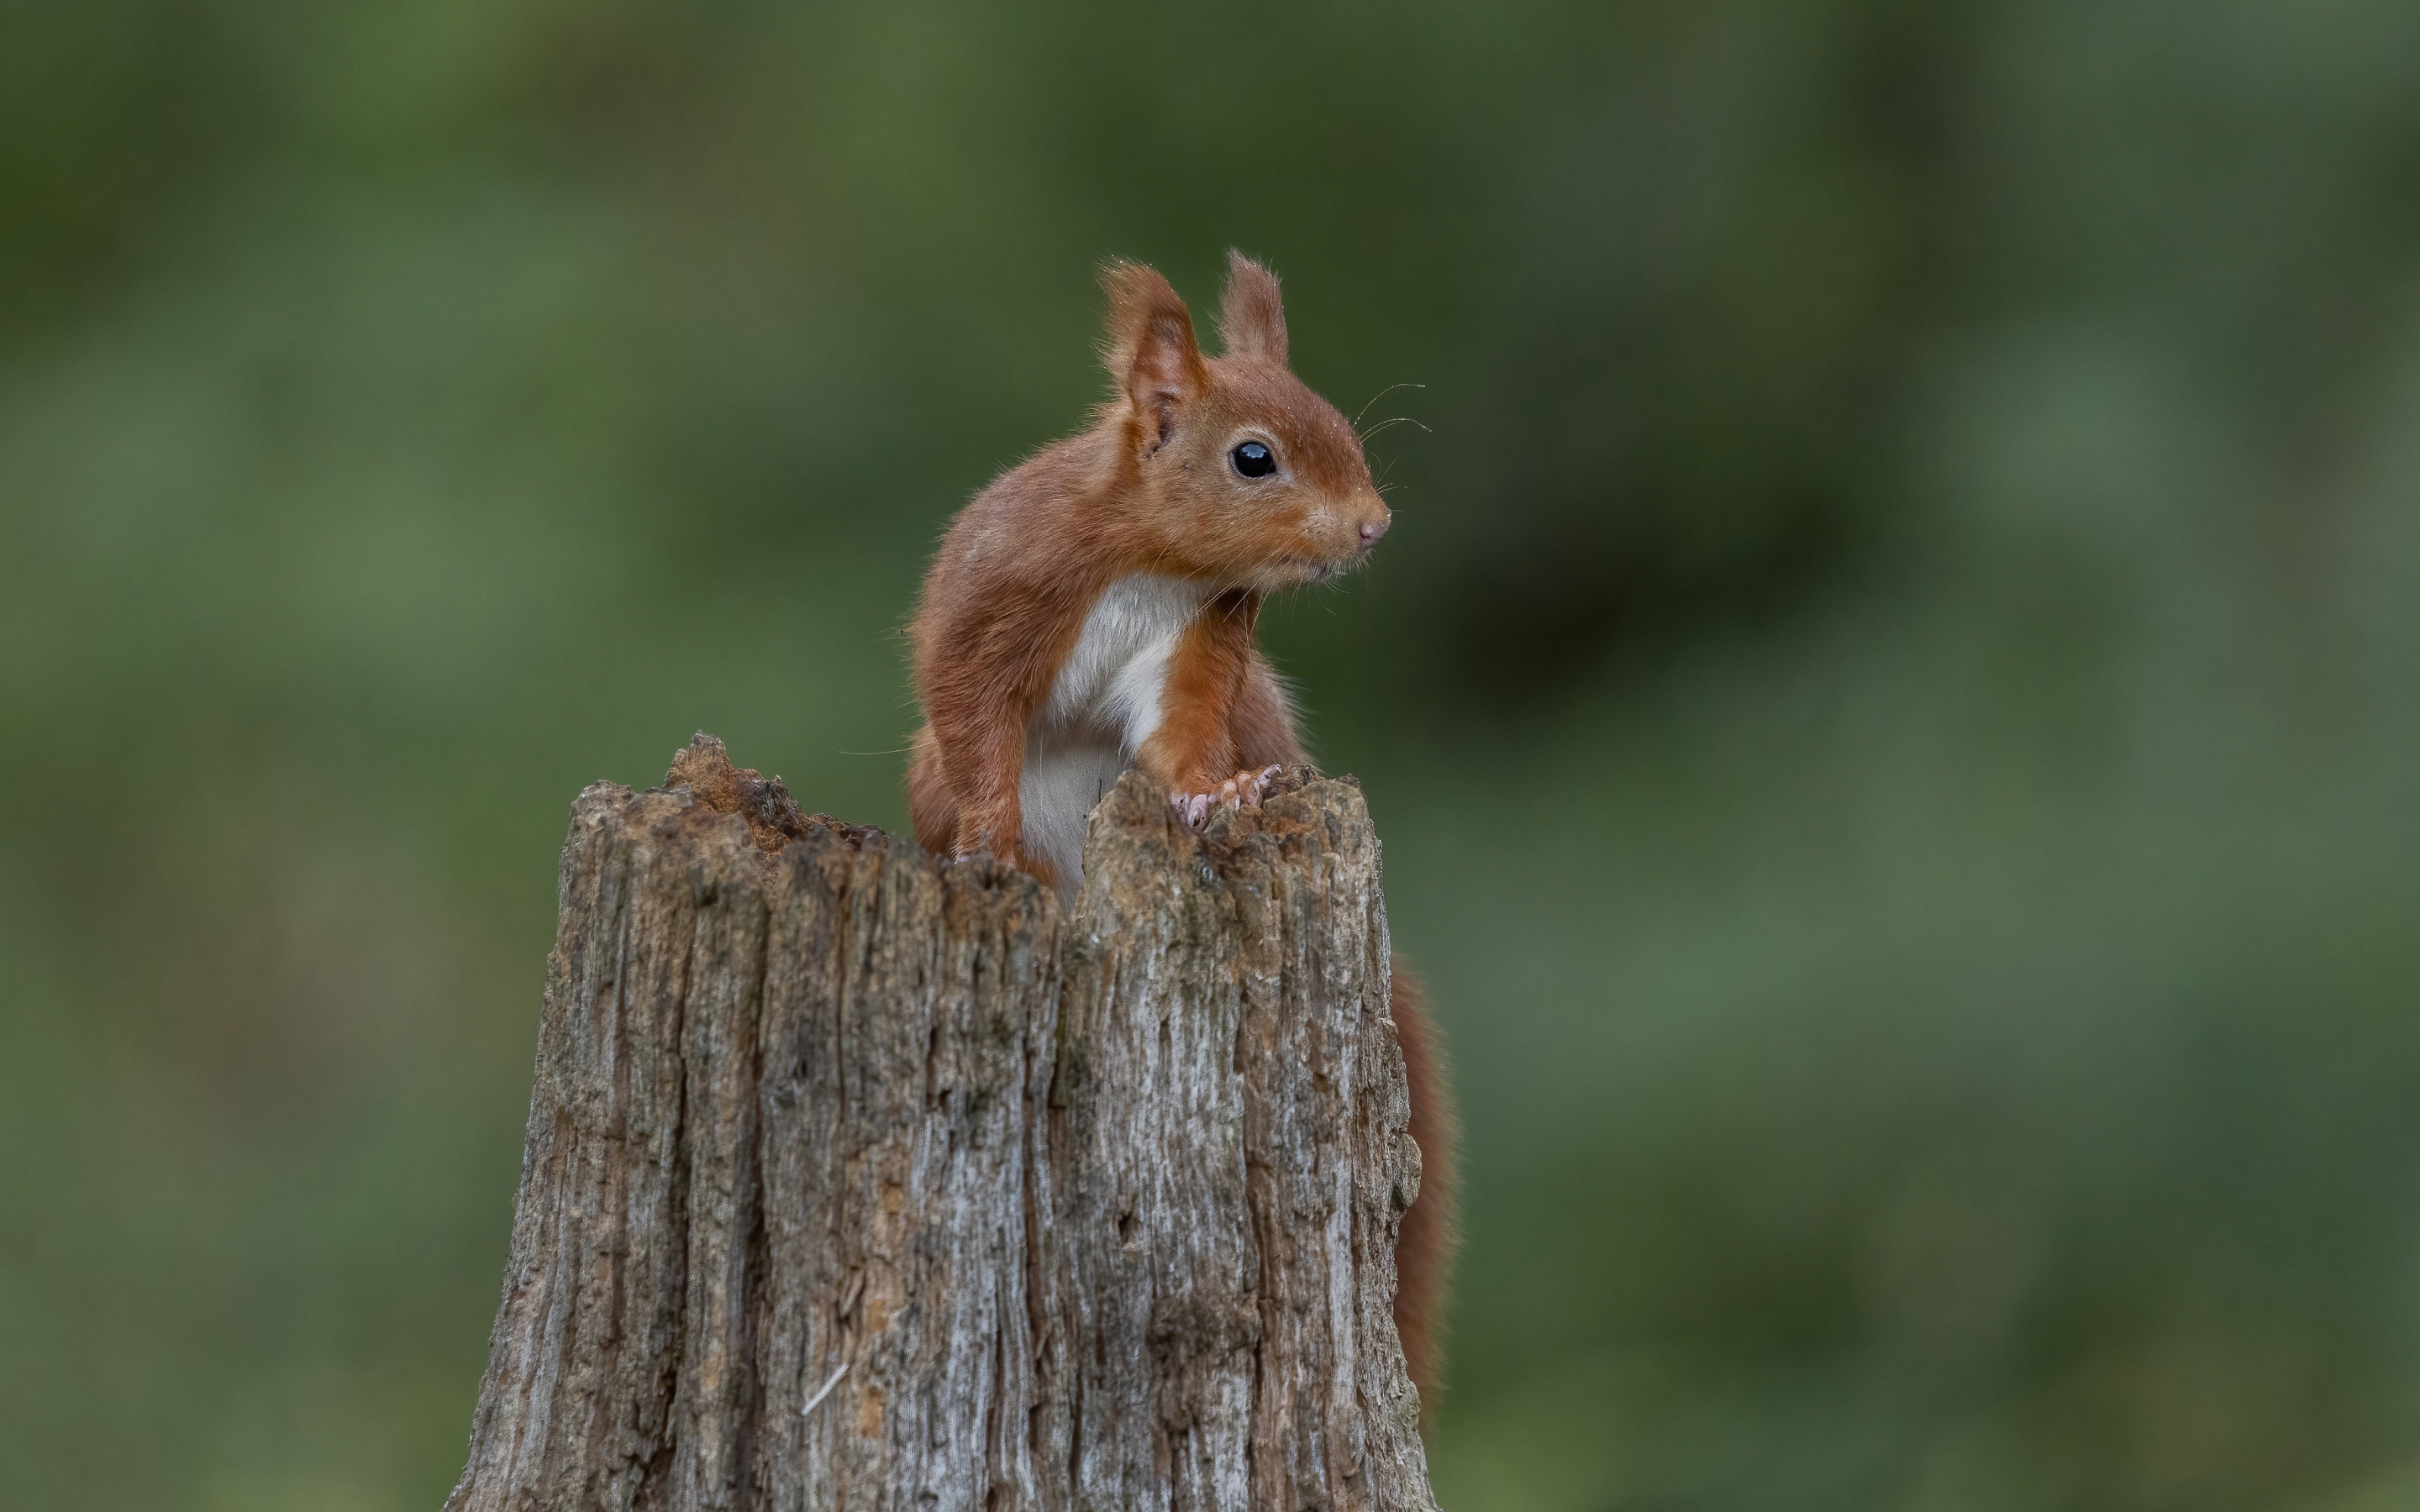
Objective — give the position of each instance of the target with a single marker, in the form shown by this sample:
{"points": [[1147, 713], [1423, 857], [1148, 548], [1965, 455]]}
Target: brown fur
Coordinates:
{"points": [[1424, 1249], [1195, 743], [1148, 489], [1145, 489]]}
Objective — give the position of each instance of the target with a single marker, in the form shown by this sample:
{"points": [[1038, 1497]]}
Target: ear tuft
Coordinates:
{"points": [[1152, 353], [1251, 316]]}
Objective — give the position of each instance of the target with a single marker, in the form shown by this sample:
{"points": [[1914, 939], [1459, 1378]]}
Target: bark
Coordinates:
{"points": [[855, 1180]]}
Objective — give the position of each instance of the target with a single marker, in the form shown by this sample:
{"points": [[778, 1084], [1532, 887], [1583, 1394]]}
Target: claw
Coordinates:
{"points": [[1244, 790]]}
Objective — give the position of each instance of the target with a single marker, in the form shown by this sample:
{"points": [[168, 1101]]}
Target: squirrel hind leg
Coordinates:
{"points": [[1424, 1247], [1261, 720]]}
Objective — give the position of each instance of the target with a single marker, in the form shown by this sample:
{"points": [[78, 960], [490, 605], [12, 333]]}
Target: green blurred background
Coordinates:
{"points": [[1893, 699]]}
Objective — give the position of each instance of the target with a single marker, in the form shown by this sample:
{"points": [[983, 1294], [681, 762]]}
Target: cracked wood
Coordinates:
{"points": [[857, 1180]]}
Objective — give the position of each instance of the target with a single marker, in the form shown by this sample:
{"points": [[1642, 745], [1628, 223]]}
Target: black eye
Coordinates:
{"points": [[1253, 460]]}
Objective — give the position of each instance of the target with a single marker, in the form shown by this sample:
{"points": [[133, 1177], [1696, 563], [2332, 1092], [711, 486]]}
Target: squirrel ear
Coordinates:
{"points": [[1152, 353], [1251, 316]]}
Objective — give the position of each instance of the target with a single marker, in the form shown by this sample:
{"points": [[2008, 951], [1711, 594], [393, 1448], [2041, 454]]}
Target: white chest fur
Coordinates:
{"points": [[1104, 705]]}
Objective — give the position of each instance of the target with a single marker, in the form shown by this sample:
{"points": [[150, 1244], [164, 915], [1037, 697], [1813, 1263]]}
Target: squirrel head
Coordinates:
{"points": [[1235, 472]]}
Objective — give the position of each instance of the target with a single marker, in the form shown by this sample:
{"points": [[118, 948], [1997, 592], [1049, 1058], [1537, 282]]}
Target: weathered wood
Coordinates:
{"points": [[857, 1181]]}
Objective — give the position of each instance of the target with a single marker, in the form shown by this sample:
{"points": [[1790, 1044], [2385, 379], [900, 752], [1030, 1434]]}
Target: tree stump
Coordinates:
{"points": [[857, 1180]]}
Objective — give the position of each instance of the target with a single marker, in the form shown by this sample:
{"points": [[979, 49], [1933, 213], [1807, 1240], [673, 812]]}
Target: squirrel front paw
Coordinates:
{"points": [[1244, 790]]}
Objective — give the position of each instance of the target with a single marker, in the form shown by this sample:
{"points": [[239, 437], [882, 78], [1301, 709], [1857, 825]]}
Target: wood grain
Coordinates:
{"points": [[858, 1180]]}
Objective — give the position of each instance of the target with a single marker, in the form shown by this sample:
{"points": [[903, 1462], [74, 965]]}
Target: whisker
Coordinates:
{"points": [[1380, 395], [1399, 420]]}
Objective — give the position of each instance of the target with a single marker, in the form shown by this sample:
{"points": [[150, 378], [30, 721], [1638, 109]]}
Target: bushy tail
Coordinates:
{"points": [[1424, 1249]]}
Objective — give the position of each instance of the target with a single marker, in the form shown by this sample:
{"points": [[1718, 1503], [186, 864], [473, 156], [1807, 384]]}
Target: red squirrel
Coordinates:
{"points": [[1093, 610]]}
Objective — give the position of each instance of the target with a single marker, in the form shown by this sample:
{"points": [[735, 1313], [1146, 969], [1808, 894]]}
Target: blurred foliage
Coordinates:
{"points": [[1891, 698]]}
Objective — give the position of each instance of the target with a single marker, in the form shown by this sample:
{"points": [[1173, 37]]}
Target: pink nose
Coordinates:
{"points": [[1376, 526]]}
